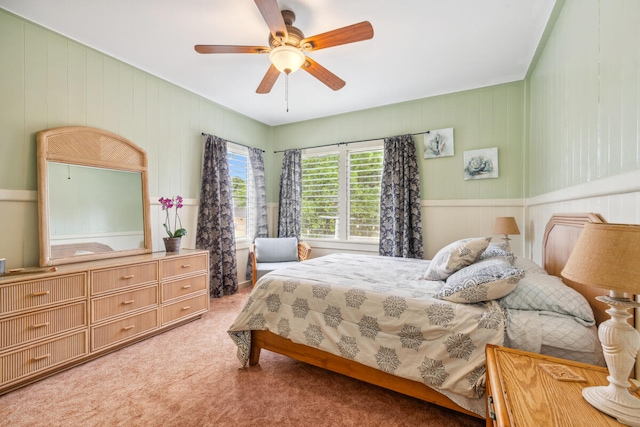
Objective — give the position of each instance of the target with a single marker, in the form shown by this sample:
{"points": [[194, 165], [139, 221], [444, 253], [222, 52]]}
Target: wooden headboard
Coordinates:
{"points": [[560, 236]]}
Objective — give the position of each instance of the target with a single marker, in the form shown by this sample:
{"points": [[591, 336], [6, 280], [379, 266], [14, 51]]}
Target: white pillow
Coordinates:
{"points": [[485, 280], [82, 252], [529, 266], [544, 292], [455, 256], [276, 249]]}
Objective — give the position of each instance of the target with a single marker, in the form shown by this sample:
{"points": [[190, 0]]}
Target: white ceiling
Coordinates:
{"points": [[420, 48]]}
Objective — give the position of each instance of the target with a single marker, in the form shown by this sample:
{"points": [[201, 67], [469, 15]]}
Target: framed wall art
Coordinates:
{"points": [[438, 143], [481, 164]]}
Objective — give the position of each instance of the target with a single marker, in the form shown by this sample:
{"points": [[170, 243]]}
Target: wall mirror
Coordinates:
{"points": [[93, 200]]}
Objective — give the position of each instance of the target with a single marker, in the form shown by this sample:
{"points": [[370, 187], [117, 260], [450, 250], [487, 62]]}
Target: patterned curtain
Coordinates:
{"points": [[258, 183], [289, 215], [400, 223], [215, 231]]}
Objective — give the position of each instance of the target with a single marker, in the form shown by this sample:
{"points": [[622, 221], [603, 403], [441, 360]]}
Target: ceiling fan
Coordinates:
{"points": [[288, 46]]}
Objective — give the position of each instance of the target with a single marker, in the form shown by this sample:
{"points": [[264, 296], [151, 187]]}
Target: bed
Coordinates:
{"points": [[295, 312], [74, 249]]}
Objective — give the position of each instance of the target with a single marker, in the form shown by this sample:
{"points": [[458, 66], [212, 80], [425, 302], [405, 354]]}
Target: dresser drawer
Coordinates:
{"points": [[22, 329], [123, 302], [185, 308], [38, 358], [123, 277], [183, 265], [183, 287], [123, 329], [39, 293]]}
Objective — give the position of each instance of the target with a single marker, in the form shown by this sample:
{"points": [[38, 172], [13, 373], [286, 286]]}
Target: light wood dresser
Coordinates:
{"points": [[55, 320], [521, 393]]}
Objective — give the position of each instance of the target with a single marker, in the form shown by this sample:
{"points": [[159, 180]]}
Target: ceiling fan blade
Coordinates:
{"points": [[322, 74], [273, 17], [350, 34], [209, 48], [268, 80]]}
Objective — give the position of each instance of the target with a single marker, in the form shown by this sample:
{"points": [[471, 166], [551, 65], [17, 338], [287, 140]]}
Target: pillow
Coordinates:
{"points": [[82, 252], [495, 251], [276, 249], [455, 256], [544, 292], [485, 280], [529, 266]]}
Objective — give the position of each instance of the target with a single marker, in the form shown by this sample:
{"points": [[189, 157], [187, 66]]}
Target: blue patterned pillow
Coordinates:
{"points": [[494, 250], [544, 292], [485, 280], [455, 256]]}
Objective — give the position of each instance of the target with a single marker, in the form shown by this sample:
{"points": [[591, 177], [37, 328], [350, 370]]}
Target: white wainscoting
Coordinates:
{"points": [[443, 222], [20, 241], [20, 237], [616, 198]]}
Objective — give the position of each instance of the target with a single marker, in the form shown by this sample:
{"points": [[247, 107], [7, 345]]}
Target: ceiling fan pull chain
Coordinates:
{"points": [[286, 90]]}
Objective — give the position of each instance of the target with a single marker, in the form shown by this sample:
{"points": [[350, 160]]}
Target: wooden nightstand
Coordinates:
{"points": [[521, 393]]}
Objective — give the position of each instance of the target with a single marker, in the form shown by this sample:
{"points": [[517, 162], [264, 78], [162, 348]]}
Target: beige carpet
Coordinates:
{"points": [[190, 377]]}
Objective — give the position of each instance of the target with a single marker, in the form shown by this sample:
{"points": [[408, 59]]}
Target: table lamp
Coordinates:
{"points": [[607, 256], [506, 225]]}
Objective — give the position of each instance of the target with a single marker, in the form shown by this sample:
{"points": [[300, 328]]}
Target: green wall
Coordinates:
{"points": [[584, 109], [53, 81], [480, 118], [47, 80]]}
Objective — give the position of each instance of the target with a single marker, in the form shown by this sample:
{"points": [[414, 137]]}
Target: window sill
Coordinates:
{"points": [[351, 245], [242, 244]]}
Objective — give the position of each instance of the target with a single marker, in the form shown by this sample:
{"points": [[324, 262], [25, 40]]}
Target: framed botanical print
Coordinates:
{"points": [[438, 143], [481, 164]]}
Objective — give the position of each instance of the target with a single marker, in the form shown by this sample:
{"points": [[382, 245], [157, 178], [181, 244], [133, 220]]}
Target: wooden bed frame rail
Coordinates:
{"points": [[273, 342]]}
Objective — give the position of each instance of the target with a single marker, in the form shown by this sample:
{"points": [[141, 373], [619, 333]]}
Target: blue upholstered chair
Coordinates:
{"points": [[270, 253]]}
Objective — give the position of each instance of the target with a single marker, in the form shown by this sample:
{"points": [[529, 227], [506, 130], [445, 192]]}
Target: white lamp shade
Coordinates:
{"points": [[286, 59]]}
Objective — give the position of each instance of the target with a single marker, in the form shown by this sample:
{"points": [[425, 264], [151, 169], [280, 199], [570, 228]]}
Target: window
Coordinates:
{"points": [[320, 197], [242, 190], [365, 176], [341, 192]]}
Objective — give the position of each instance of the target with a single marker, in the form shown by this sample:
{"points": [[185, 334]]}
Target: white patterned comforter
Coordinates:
{"points": [[379, 312]]}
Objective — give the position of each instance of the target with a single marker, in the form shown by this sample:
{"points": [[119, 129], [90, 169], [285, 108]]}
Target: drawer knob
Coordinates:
{"points": [[40, 325], [128, 276], [186, 307], [186, 286], [44, 356], [128, 302], [186, 265], [39, 294], [126, 328]]}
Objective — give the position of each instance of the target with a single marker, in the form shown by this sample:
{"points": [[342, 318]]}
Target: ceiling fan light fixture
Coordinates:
{"points": [[287, 59]]}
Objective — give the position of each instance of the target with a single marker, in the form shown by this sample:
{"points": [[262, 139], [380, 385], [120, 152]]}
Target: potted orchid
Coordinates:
{"points": [[172, 243]]}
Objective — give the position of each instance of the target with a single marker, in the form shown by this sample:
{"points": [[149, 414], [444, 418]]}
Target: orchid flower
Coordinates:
{"points": [[167, 204]]}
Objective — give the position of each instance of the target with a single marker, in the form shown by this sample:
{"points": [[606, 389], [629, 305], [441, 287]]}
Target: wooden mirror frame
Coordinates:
{"points": [[86, 146]]}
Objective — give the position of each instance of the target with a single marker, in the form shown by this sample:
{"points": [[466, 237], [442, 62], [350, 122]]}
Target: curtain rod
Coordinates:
{"points": [[233, 142], [351, 142]]}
